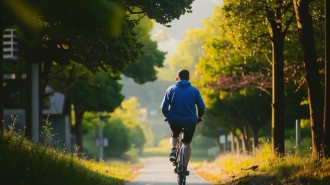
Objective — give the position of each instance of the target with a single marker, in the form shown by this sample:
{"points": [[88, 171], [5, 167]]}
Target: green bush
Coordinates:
{"points": [[137, 137], [118, 138], [202, 142]]}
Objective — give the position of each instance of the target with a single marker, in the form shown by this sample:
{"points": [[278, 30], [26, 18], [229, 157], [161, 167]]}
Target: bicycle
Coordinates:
{"points": [[181, 158], [180, 162]]}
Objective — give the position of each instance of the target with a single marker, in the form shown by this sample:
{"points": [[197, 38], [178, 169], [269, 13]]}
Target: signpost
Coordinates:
{"points": [[101, 142]]}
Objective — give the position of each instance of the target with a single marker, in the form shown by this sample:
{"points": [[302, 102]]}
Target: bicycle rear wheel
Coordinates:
{"points": [[181, 168], [181, 179]]}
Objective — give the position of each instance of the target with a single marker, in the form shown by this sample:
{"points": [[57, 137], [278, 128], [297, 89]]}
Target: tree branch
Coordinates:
{"points": [[288, 23]]}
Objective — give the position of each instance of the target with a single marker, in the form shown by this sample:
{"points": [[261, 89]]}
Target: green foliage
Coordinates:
{"points": [[188, 52], [22, 161], [118, 137], [219, 53], [305, 146], [96, 53], [144, 69], [123, 129], [241, 48], [101, 93], [128, 113], [32, 18], [150, 95], [55, 25], [163, 11], [305, 130], [90, 121], [211, 126], [137, 137], [202, 142]]}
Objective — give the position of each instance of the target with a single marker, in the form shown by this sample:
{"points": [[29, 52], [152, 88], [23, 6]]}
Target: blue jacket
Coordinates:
{"points": [[179, 104]]}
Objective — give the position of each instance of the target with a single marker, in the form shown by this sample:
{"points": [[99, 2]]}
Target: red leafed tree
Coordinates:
{"points": [[261, 79]]}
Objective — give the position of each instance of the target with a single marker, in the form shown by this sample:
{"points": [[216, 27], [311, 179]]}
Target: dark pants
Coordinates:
{"points": [[188, 132]]}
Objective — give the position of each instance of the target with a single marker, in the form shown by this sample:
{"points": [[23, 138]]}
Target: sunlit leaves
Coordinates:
{"points": [[251, 22], [128, 113], [187, 55]]}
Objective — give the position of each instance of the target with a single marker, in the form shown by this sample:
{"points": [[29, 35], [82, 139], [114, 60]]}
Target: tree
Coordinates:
{"points": [[224, 114], [104, 18], [138, 138], [276, 17], [188, 52], [253, 107], [123, 119], [31, 18], [118, 135], [306, 37], [224, 68], [163, 11], [128, 112], [144, 70], [74, 49], [101, 94], [209, 129]]}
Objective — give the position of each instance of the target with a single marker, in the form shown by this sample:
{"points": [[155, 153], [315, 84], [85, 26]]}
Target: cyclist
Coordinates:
{"points": [[179, 110]]}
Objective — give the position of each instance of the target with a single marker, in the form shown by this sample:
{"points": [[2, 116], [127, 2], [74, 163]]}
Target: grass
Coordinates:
{"points": [[228, 169], [23, 162]]}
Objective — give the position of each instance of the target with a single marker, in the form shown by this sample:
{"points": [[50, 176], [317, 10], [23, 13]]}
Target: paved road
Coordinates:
{"points": [[159, 171]]}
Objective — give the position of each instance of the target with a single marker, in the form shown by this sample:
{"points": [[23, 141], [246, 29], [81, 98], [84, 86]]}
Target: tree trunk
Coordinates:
{"points": [[277, 40], [225, 144], [278, 94], [45, 73], [217, 142], [306, 37], [237, 145], [255, 126], [326, 122], [255, 130], [247, 138], [243, 140], [78, 117], [232, 143]]}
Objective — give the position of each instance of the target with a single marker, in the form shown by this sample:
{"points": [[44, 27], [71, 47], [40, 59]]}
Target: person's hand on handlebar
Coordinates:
{"points": [[165, 119], [199, 119]]}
